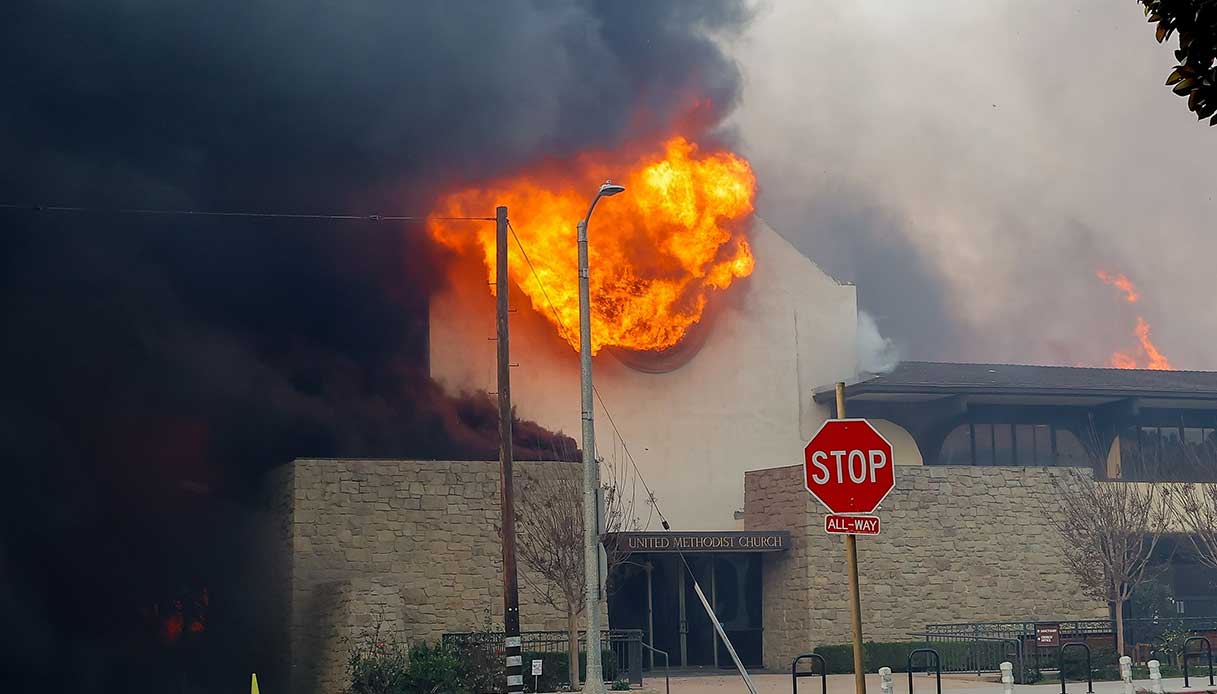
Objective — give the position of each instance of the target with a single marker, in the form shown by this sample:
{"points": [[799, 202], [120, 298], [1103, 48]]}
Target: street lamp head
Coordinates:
{"points": [[609, 188]]}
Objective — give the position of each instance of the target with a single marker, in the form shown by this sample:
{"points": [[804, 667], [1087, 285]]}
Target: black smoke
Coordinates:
{"points": [[153, 367]]}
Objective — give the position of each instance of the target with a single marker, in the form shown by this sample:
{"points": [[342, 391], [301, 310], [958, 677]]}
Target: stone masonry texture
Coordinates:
{"points": [[958, 544], [410, 545]]}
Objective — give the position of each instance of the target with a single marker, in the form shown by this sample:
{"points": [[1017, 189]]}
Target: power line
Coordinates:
{"points": [[637, 473], [624, 446], [335, 216]]}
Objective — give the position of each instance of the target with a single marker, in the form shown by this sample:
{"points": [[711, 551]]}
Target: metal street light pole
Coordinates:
{"points": [[593, 683]]}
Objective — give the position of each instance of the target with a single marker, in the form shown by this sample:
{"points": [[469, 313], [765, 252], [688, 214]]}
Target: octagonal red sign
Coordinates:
{"points": [[848, 466]]}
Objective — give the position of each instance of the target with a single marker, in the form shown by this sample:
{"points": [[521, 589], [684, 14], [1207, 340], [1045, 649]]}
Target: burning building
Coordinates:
{"points": [[700, 312], [714, 343]]}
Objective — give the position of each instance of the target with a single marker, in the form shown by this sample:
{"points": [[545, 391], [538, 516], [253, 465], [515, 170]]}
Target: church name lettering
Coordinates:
{"points": [[706, 542]]}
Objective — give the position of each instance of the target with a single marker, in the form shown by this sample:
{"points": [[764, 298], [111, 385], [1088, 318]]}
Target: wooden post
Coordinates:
{"points": [[855, 603], [511, 591]]}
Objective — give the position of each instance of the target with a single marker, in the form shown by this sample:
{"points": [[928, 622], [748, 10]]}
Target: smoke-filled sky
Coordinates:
{"points": [[149, 359], [971, 165]]}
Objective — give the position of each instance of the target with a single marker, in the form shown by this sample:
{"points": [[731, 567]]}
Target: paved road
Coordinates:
{"points": [[844, 684]]}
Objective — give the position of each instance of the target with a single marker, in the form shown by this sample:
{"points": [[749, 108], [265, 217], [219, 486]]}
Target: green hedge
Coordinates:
{"points": [[839, 659], [384, 665], [1104, 664], [555, 669]]}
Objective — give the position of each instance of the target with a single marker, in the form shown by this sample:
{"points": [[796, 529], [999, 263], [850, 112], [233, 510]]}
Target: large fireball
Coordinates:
{"points": [[657, 253]]}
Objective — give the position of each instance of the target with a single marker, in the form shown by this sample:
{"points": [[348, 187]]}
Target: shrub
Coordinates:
{"points": [[1104, 664], [438, 669], [484, 669], [839, 658], [377, 664], [555, 669]]}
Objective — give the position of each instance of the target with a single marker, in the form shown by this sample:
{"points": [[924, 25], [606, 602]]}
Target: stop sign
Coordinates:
{"points": [[848, 466]]}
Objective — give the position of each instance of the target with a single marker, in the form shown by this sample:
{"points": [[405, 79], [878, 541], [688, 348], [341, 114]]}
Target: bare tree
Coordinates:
{"points": [[1196, 503], [1109, 531], [550, 542]]}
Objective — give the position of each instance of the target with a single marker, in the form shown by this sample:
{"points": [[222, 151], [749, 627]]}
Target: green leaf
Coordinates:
{"points": [[1180, 55], [1175, 76], [1193, 101], [1184, 86], [1213, 121], [1206, 109]]}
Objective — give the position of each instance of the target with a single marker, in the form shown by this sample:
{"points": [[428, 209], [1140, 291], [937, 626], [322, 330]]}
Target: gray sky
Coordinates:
{"points": [[970, 165]]}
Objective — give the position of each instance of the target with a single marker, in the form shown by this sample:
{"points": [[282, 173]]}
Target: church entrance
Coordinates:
{"points": [[655, 591]]}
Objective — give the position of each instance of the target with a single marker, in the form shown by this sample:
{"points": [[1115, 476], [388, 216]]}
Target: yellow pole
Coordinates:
{"points": [[855, 602]]}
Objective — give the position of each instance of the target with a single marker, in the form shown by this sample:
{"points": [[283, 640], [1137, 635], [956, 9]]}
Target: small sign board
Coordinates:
{"points": [[536, 668], [1048, 635], [836, 524]]}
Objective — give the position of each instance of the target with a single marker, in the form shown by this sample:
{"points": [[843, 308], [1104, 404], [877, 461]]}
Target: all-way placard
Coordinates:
{"points": [[837, 524]]}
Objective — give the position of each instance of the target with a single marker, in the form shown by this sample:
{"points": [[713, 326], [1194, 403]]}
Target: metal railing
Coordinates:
{"points": [[625, 646], [1141, 634], [1186, 655], [796, 675], [1136, 629], [937, 667], [667, 667], [1060, 660], [977, 653]]}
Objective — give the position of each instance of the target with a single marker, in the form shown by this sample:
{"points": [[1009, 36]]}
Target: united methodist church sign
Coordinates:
{"points": [[726, 541]]}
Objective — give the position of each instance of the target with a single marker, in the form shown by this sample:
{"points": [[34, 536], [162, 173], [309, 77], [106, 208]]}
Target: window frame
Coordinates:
{"points": [[1019, 457]]}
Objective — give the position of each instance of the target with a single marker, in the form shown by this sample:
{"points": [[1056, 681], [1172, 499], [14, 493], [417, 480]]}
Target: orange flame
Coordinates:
{"points": [[1153, 357], [1131, 295], [1157, 360], [656, 253], [173, 623], [171, 626]]}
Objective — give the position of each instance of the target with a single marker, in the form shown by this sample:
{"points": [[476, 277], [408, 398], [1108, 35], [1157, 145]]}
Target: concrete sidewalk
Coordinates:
{"points": [[774, 683]]}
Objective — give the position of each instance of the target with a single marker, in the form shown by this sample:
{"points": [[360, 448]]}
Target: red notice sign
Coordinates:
{"points": [[1048, 635], [836, 524]]}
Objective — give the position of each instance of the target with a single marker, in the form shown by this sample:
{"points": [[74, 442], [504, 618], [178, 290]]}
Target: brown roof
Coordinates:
{"points": [[943, 378]]}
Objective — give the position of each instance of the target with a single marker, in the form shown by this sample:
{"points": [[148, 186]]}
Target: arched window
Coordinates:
{"points": [[1011, 444], [957, 447]]}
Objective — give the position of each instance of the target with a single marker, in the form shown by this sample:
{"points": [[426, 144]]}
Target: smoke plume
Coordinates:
{"points": [[970, 165], [154, 366], [876, 353]]}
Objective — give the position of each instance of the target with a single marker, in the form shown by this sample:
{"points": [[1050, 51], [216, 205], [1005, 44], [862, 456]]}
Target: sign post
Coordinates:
{"points": [[848, 469]]}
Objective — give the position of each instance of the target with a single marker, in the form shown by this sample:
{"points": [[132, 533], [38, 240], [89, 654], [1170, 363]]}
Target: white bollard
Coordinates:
{"points": [[1126, 674], [1007, 676], [1155, 676], [885, 680]]}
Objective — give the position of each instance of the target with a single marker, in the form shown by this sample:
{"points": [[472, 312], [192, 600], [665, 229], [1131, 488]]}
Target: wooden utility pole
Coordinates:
{"points": [[855, 602], [511, 591]]}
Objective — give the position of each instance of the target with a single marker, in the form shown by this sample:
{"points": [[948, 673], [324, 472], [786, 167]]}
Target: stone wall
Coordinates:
{"points": [[413, 544], [958, 544], [341, 613]]}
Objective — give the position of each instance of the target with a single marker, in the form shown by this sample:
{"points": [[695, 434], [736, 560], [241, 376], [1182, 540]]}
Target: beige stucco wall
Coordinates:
{"points": [[904, 448], [410, 543], [958, 544], [744, 401]]}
